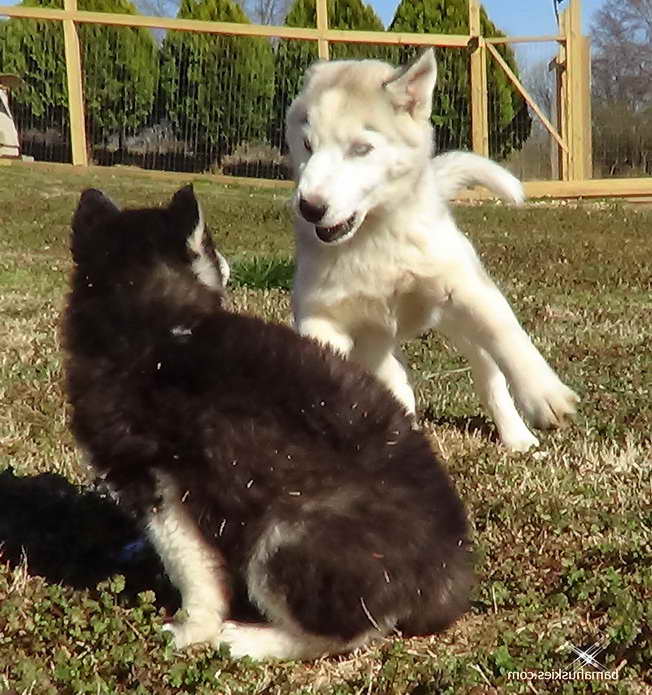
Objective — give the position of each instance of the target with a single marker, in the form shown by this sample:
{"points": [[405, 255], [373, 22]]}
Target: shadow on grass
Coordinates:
{"points": [[476, 424], [77, 537], [74, 536]]}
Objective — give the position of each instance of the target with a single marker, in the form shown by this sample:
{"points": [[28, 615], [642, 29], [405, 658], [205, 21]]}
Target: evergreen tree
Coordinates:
{"points": [[509, 120], [119, 67], [292, 58], [216, 90], [34, 51]]}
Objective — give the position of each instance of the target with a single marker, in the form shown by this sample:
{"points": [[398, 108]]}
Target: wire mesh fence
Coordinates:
{"points": [[622, 139], [194, 103], [185, 101], [201, 101], [33, 50], [535, 152], [622, 89]]}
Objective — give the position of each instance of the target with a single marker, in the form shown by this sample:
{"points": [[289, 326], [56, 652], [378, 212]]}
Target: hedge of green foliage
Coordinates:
{"points": [[220, 91]]}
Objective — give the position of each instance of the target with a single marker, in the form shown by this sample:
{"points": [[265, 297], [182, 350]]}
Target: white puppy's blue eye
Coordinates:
{"points": [[360, 149], [307, 145]]}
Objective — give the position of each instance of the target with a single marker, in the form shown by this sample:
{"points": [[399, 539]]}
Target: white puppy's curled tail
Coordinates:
{"points": [[455, 171]]}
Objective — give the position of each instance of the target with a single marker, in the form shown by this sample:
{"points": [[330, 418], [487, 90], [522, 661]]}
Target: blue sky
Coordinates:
{"points": [[522, 17]]}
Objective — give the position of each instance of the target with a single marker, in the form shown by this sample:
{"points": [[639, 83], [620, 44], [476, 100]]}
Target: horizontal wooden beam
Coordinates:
{"points": [[235, 29], [398, 38], [594, 188], [134, 20], [525, 39], [633, 188], [177, 176], [338, 35]]}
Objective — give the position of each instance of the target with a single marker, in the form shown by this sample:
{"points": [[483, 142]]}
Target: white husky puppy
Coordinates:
{"points": [[379, 257]]}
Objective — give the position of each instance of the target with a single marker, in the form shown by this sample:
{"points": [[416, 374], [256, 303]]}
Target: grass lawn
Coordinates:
{"points": [[563, 535]]}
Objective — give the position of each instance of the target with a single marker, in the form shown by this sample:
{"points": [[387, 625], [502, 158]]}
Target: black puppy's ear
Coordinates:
{"points": [[185, 210], [93, 207]]}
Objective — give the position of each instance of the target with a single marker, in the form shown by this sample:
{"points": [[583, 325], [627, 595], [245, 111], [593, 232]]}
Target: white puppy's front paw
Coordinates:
{"points": [[187, 632], [520, 442], [550, 406]]}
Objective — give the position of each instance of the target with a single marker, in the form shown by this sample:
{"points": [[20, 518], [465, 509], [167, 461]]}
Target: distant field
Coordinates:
{"points": [[563, 535]]}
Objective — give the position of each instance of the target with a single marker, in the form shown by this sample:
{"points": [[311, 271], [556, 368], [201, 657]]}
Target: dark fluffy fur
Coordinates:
{"points": [[258, 426]]}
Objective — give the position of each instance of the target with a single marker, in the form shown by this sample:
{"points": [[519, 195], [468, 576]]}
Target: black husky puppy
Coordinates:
{"points": [[252, 455]]}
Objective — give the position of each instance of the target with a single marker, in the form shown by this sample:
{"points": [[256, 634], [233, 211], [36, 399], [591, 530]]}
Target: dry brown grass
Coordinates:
{"points": [[563, 535]]}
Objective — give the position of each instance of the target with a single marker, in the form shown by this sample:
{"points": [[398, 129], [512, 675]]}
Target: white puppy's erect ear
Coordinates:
{"points": [[412, 87]]}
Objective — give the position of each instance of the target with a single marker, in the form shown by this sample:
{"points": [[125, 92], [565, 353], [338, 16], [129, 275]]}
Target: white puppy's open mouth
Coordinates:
{"points": [[337, 232]]}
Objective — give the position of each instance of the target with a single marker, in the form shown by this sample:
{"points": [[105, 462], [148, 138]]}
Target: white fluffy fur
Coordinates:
{"points": [[272, 642], [283, 638], [455, 171], [202, 265], [363, 151], [199, 572], [194, 567]]}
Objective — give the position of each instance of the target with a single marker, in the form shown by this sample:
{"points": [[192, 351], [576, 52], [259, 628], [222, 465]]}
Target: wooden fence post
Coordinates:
{"points": [[585, 112], [574, 91], [322, 27], [479, 105], [575, 138], [75, 90], [560, 102]]}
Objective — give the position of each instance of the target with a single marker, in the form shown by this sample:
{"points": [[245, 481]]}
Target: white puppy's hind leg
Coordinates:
{"points": [[196, 568], [478, 313], [491, 386]]}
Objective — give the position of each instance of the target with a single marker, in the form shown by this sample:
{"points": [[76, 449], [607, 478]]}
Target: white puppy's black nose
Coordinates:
{"points": [[313, 208]]}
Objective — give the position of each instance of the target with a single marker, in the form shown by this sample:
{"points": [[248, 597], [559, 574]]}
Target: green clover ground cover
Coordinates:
{"points": [[563, 535]]}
